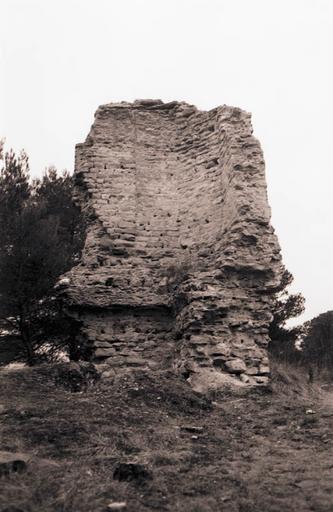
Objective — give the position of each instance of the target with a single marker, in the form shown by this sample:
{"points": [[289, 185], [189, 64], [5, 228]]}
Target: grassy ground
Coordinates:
{"points": [[258, 450]]}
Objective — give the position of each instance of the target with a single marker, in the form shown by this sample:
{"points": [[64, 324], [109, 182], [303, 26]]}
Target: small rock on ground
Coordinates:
{"points": [[117, 505]]}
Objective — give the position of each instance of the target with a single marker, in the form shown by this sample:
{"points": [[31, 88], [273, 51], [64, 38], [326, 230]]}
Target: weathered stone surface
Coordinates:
{"points": [[235, 366], [180, 260]]}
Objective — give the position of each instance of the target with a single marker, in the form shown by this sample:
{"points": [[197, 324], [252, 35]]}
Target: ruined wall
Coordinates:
{"points": [[180, 260]]}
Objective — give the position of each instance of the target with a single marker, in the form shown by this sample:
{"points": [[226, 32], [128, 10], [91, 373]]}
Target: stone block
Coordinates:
{"points": [[104, 352], [235, 366], [263, 370]]}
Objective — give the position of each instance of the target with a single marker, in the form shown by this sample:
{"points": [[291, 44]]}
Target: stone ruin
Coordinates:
{"points": [[180, 262]]}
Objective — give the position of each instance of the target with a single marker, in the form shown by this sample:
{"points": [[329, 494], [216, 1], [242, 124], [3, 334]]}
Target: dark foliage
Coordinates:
{"points": [[137, 473], [283, 338], [76, 377], [41, 236], [317, 345]]}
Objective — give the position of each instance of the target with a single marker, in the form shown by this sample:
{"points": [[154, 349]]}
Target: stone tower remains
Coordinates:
{"points": [[180, 261]]}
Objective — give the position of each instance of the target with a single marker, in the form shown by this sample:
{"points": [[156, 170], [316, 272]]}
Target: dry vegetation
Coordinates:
{"points": [[258, 450]]}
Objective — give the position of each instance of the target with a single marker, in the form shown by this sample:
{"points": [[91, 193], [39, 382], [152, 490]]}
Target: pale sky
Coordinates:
{"points": [[60, 59]]}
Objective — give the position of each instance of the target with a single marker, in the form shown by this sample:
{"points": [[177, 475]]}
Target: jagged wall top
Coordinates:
{"points": [[180, 255]]}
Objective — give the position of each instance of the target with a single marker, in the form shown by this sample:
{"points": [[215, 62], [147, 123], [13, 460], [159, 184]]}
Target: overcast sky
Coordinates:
{"points": [[60, 59]]}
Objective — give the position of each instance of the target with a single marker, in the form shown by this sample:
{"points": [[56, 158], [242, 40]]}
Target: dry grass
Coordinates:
{"points": [[252, 455], [290, 380]]}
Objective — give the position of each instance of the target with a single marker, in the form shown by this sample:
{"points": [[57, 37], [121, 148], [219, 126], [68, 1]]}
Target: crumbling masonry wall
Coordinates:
{"points": [[180, 261]]}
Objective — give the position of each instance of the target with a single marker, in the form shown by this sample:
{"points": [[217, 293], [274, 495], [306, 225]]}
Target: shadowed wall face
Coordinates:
{"points": [[180, 260]]}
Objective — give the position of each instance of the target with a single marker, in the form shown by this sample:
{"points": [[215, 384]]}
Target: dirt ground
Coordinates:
{"points": [[236, 451]]}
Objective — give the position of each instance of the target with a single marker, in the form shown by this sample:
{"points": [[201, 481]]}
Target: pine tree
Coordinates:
{"points": [[41, 234], [317, 345], [283, 338]]}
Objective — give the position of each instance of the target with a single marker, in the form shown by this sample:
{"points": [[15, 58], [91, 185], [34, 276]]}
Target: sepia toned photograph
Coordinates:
{"points": [[166, 248]]}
